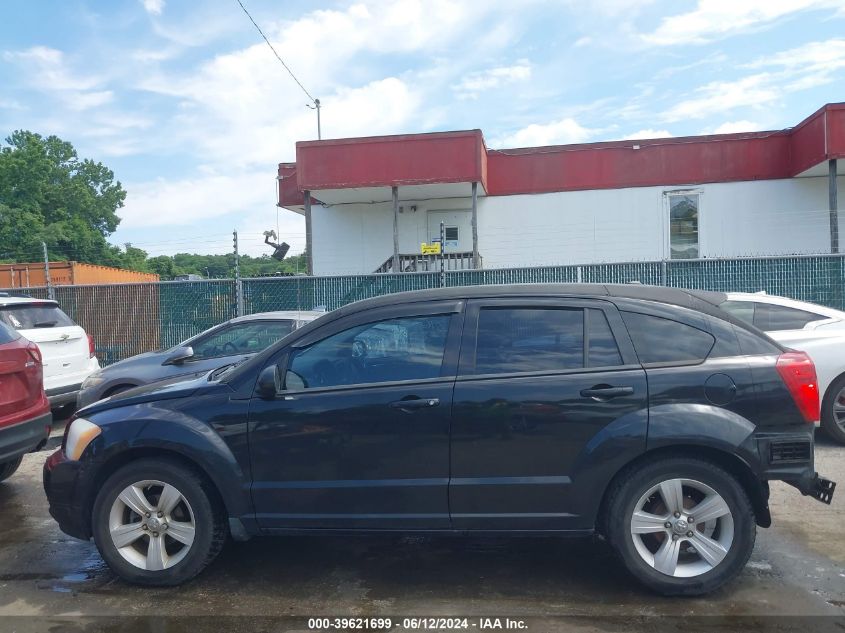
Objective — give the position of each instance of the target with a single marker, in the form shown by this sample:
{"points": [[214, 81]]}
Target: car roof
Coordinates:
{"points": [[300, 315], [695, 299], [9, 300], [762, 297]]}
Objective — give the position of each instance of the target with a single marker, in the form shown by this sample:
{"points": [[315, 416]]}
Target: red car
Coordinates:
{"points": [[24, 410]]}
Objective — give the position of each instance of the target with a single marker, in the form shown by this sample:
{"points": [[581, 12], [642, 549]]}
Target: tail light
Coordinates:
{"points": [[799, 375], [34, 352], [92, 350]]}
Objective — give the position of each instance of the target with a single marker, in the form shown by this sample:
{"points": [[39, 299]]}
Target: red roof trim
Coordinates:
{"points": [[462, 156]]}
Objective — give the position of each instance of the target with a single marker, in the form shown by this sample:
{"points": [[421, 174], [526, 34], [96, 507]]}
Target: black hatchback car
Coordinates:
{"points": [[644, 414]]}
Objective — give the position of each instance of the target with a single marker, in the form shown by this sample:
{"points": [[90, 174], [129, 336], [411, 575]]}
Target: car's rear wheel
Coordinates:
{"points": [[833, 411], [7, 469], [682, 526], [156, 522]]}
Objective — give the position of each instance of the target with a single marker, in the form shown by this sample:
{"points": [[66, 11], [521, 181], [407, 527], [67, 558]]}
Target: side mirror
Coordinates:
{"points": [[269, 384], [179, 355]]}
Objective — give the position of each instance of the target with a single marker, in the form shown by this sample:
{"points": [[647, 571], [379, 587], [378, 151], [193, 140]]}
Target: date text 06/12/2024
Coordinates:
{"points": [[417, 624]]}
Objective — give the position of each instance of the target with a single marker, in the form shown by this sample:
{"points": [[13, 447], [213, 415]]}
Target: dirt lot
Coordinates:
{"points": [[798, 569]]}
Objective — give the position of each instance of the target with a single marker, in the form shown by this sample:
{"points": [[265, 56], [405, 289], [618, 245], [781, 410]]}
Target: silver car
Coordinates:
{"points": [[224, 344]]}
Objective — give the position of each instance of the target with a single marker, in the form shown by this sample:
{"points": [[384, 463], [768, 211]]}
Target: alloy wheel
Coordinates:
{"points": [[682, 528], [839, 409], [152, 525]]}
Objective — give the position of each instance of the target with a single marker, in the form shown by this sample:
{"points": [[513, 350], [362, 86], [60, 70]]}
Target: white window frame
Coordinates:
{"points": [[667, 221]]}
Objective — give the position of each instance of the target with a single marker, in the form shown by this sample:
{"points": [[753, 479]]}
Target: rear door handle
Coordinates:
{"points": [[412, 404], [606, 393]]}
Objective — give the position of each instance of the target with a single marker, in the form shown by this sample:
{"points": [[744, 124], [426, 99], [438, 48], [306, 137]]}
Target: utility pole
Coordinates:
{"points": [[51, 293], [316, 107], [239, 290]]}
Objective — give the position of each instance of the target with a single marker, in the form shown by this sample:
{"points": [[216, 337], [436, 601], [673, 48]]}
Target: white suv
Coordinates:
{"points": [[811, 328], [67, 351]]}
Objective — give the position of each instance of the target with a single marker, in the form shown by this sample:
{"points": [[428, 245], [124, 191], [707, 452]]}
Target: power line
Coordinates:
{"points": [[290, 72]]}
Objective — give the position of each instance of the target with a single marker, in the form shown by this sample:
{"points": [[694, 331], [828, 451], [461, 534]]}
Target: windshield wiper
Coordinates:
{"points": [[45, 324], [214, 375]]}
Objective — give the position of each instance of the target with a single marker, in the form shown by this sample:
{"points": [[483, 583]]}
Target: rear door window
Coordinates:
{"points": [[514, 340], [659, 340], [34, 316]]}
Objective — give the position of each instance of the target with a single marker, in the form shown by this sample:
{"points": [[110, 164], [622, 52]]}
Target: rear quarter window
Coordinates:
{"points": [[32, 316], [659, 340]]}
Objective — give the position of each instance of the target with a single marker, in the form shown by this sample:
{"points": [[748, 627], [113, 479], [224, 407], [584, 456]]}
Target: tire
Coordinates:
{"points": [[694, 574], [828, 421], [7, 469], [197, 506]]}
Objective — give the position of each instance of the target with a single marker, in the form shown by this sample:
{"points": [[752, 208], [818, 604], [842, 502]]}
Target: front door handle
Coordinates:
{"points": [[606, 392], [412, 404]]}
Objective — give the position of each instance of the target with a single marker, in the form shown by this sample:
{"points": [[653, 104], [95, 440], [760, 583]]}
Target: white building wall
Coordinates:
{"points": [[765, 217]]}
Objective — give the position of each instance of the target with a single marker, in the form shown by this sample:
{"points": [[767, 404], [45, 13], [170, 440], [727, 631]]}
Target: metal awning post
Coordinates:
{"points": [[834, 213], [308, 238], [475, 263], [396, 229]]}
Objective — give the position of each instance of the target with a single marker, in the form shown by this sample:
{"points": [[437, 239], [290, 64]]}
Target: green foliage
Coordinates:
{"points": [[214, 266], [47, 194]]}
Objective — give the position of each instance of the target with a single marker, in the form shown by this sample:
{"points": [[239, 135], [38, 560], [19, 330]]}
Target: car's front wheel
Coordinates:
{"points": [[682, 526], [157, 522]]}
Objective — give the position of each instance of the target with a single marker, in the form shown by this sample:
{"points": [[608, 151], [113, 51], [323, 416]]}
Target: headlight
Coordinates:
{"points": [[79, 435], [93, 380]]}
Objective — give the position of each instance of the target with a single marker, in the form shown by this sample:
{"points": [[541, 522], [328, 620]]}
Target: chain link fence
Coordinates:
{"points": [[127, 319]]}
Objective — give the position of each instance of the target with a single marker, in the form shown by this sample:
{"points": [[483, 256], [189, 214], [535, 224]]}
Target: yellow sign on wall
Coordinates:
{"points": [[430, 249]]}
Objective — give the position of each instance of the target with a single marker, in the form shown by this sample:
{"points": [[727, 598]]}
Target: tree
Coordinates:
{"points": [[48, 194]]}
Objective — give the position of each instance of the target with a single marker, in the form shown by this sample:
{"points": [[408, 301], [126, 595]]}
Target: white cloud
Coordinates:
{"points": [[192, 200], [245, 198], [800, 68], [477, 82], [649, 133], [566, 130], [721, 96], [583, 41], [732, 127], [153, 7], [714, 19], [47, 70]]}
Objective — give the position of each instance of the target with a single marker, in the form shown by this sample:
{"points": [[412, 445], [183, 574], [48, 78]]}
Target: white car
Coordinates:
{"points": [[810, 328], [67, 351]]}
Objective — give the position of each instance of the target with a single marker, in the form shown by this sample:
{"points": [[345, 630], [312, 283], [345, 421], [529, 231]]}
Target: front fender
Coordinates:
{"points": [[166, 426]]}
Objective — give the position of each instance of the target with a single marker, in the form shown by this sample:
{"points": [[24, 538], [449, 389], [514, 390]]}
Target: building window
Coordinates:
{"points": [[683, 225]]}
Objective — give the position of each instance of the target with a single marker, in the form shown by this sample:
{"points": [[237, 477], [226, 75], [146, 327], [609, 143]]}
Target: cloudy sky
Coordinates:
{"points": [[190, 108]]}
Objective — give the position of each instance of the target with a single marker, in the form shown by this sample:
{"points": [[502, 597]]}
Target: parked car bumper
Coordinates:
{"points": [[24, 437], [59, 396], [63, 389], [65, 483]]}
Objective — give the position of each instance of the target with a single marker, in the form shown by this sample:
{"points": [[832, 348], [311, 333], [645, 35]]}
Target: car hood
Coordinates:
{"points": [[145, 359], [168, 389]]}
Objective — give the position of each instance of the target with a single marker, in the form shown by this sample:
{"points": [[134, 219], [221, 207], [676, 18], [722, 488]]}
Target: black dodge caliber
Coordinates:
{"points": [[643, 414]]}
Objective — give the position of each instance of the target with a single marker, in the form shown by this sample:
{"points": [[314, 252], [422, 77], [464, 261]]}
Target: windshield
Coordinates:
{"points": [[32, 316]]}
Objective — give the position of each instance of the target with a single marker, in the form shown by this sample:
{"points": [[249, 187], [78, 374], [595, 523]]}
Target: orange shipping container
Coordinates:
{"points": [[32, 275]]}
